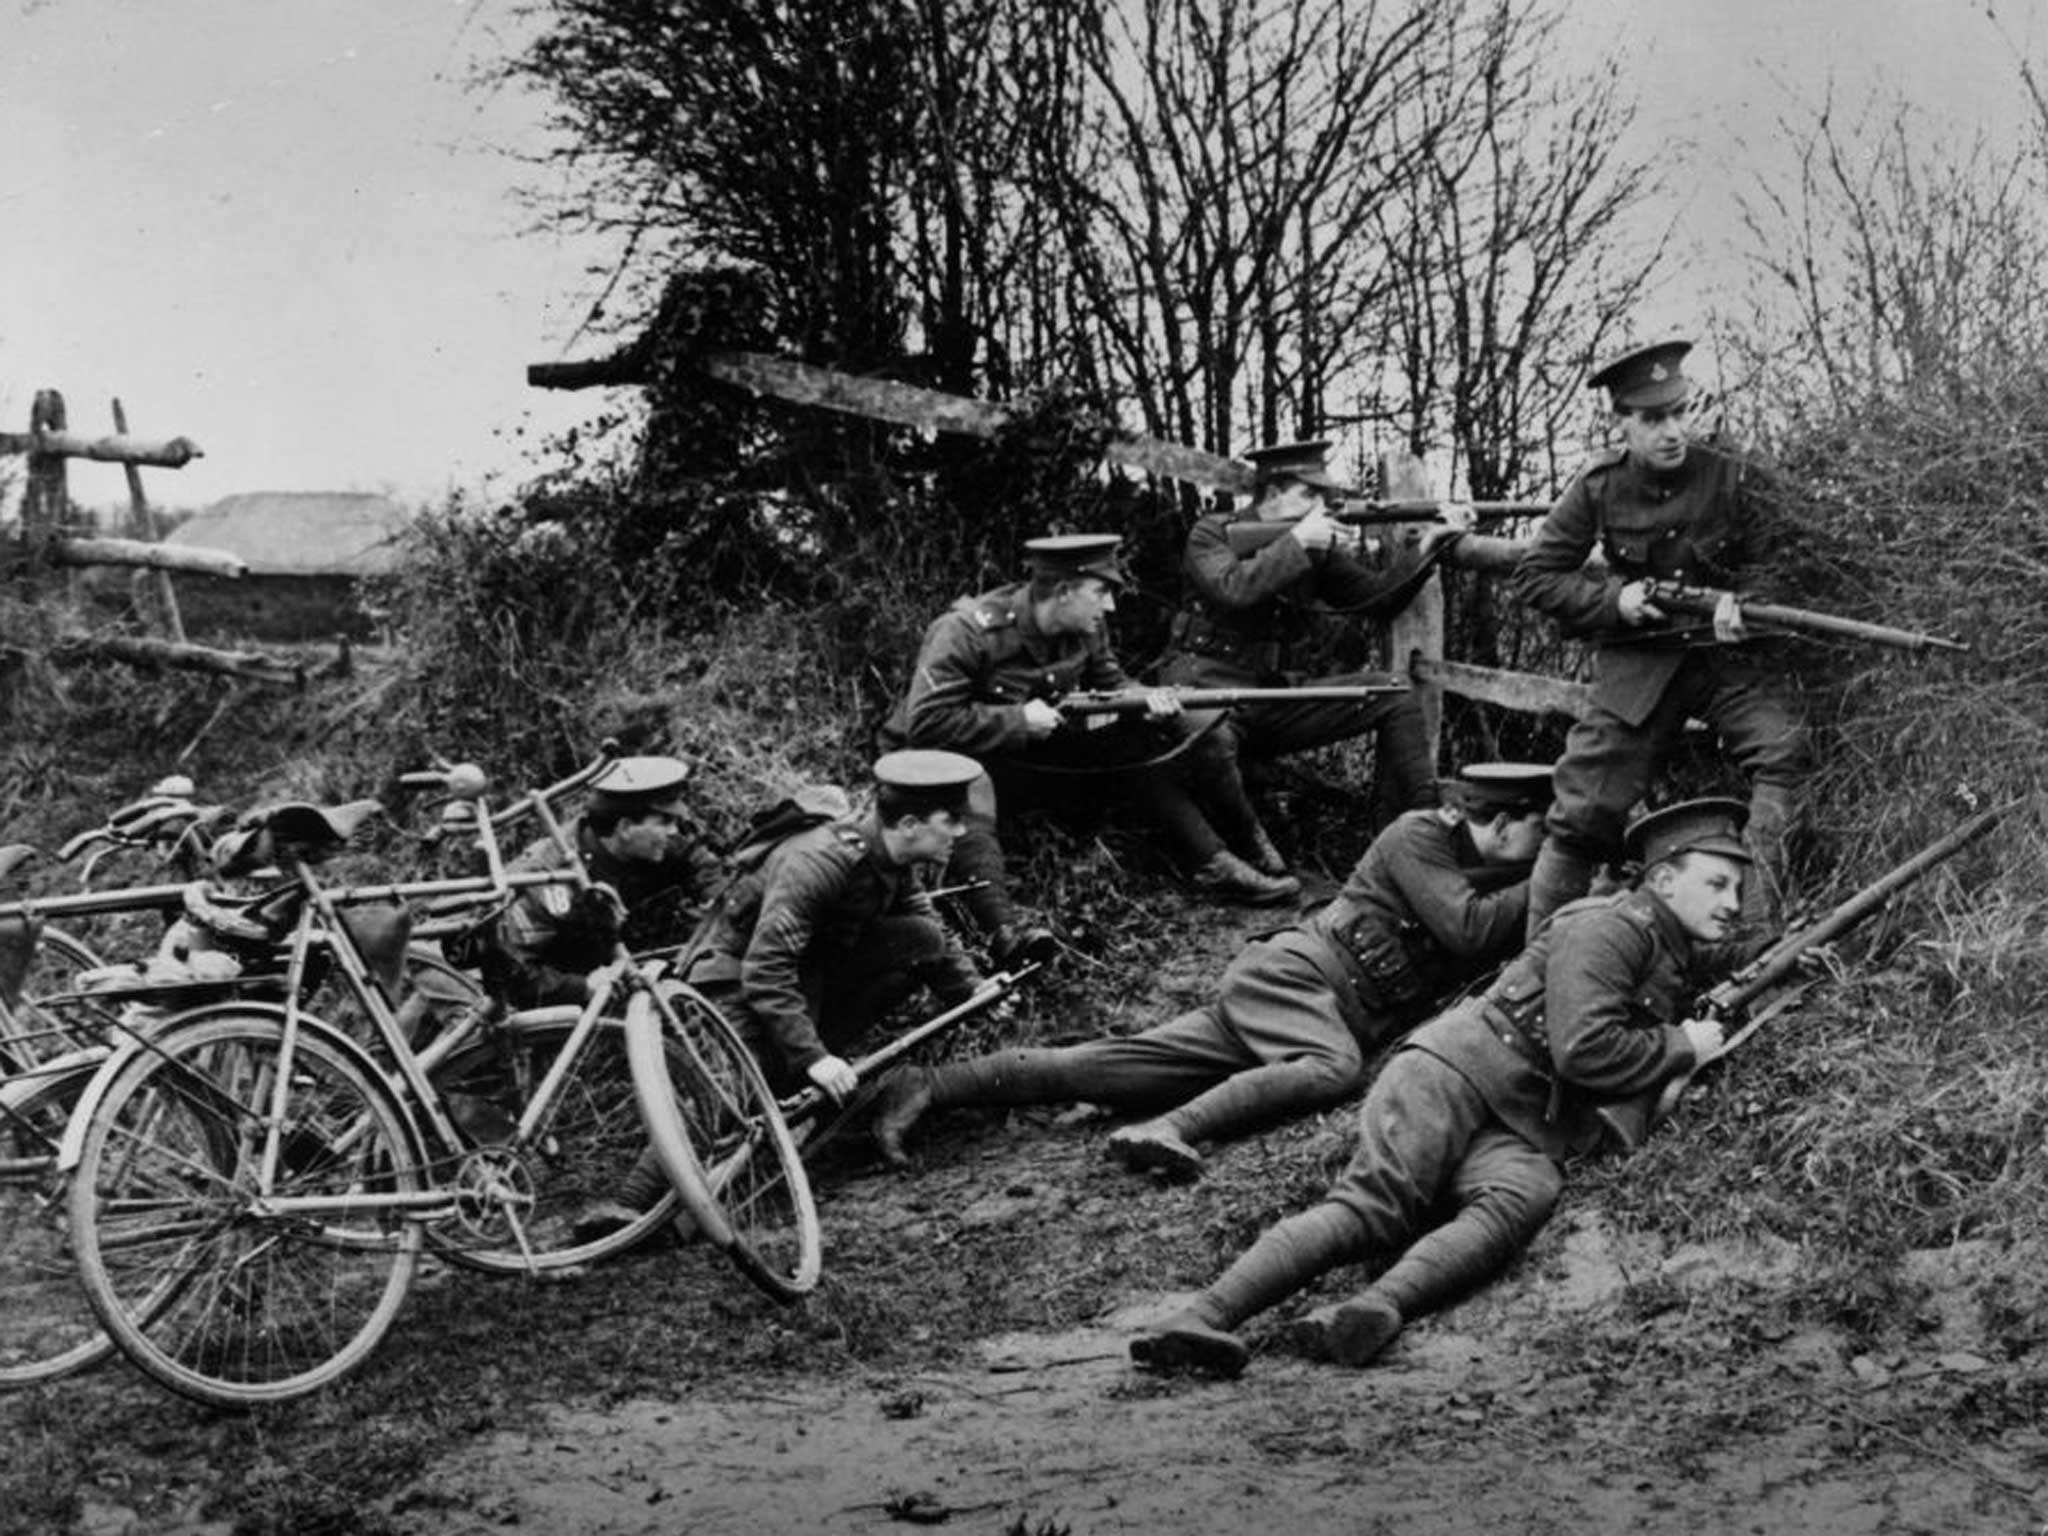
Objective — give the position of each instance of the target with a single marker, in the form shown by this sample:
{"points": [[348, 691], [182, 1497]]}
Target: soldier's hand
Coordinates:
{"points": [[1041, 719], [1728, 624], [1705, 1036], [1162, 703], [1635, 604], [1316, 529], [834, 1078]]}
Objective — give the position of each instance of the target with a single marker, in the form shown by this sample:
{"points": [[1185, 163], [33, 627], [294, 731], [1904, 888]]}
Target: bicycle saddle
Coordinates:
{"points": [[295, 830], [13, 856]]}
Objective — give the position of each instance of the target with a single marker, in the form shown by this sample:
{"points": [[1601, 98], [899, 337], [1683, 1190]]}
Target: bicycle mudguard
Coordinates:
{"points": [[679, 1160]]}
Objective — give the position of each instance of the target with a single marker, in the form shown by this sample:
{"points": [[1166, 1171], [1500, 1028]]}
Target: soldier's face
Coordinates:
{"points": [[1656, 436], [642, 839], [1286, 501], [1081, 606], [929, 839], [1703, 891], [1509, 839]]}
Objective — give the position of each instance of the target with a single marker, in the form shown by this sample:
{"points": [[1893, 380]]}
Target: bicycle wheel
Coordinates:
{"points": [[529, 1190], [47, 1328], [721, 1109], [219, 1288], [39, 1030]]}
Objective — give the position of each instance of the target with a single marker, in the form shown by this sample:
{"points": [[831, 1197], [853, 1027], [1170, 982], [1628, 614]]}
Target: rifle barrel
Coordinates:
{"points": [[1703, 601], [1224, 698], [1776, 963]]}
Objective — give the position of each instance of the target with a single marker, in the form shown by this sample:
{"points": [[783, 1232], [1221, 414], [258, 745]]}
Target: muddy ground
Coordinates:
{"points": [[1548, 1403], [965, 1364]]}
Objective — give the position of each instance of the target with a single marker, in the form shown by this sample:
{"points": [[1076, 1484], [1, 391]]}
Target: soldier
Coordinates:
{"points": [[1480, 1106], [1661, 507], [648, 858], [1246, 621], [988, 680], [1437, 900], [833, 929], [806, 951]]}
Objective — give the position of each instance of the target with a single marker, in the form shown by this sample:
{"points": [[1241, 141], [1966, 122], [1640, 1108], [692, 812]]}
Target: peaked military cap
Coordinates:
{"points": [[1306, 461], [927, 777], [1645, 377], [1069, 556], [1692, 826], [642, 785], [1487, 789]]}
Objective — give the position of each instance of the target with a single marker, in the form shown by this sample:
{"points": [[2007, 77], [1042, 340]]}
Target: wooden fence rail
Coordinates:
{"points": [[48, 539]]}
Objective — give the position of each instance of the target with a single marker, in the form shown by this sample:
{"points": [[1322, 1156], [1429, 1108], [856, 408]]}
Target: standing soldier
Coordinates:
{"points": [[988, 681], [1661, 507], [1246, 622], [1480, 1106], [1437, 901]]}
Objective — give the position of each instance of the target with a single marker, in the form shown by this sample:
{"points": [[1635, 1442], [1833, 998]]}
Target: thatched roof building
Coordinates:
{"points": [[301, 533], [306, 552]]}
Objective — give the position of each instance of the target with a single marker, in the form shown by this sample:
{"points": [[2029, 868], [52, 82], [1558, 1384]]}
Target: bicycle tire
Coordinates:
{"points": [[723, 1114], [42, 1031], [578, 1156], [47, 1327], [261, 1306]]}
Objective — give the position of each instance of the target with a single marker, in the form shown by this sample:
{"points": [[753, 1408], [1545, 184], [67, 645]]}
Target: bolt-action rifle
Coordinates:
{"points": [[1135, 703], [1250, 536], [1676, 597], [1770, 983]]}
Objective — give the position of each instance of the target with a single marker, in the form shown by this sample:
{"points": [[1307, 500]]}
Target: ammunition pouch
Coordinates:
{"points": [[1199, 635], [1387, 972]]}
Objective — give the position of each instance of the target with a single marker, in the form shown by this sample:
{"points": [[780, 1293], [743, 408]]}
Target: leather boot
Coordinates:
{"points": [[906, 1094], [1228, 878], [1561, 875], [1265, 855], [1773, 812], [1351, 1333]]}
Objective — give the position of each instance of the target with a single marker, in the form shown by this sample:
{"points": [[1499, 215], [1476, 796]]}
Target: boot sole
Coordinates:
{"points": [[1177, 1353], [1180, 1163]]}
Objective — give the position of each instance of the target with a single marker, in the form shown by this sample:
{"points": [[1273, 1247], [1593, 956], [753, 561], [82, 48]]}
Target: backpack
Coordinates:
{"points": [[812, 805]]}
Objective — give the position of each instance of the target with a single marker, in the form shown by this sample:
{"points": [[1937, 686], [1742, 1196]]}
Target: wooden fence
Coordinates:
{"points": [[50, 539]]}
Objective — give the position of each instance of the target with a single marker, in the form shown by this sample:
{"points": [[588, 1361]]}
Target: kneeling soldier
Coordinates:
{"points": [[1435, 902], [647, 855], [1480, 1106], [806, 952]]}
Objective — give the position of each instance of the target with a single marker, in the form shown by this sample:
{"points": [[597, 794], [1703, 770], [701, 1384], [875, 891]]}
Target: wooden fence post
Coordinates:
{"points": [[142, 524], [46, 499], [1416, 634]]}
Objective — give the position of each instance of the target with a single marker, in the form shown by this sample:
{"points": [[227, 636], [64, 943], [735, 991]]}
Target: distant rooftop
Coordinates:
{"points": [[301, 533]]}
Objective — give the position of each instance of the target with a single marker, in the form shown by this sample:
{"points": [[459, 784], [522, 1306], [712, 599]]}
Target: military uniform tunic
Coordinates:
{"points": [[1479, 1105], [807, 950], [1709, 522], [550, 937], [1244, 623], [980, 663], [1296, 1015]]}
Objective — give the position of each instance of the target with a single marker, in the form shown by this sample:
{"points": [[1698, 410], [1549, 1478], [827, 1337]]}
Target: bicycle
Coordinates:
{"points": [[251, 1189], [58, 1030]]}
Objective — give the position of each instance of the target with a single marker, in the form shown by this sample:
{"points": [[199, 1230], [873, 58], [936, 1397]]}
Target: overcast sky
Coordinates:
{"points": [[284, 229]]}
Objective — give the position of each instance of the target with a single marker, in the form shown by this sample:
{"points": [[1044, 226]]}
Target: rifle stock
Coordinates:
{"points": [[1629, 1121]]}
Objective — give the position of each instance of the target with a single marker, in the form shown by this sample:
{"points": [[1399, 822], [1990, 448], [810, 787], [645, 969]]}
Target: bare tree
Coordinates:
{"points": [[1512, 256], [1213, 170], [1893, 259]]}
